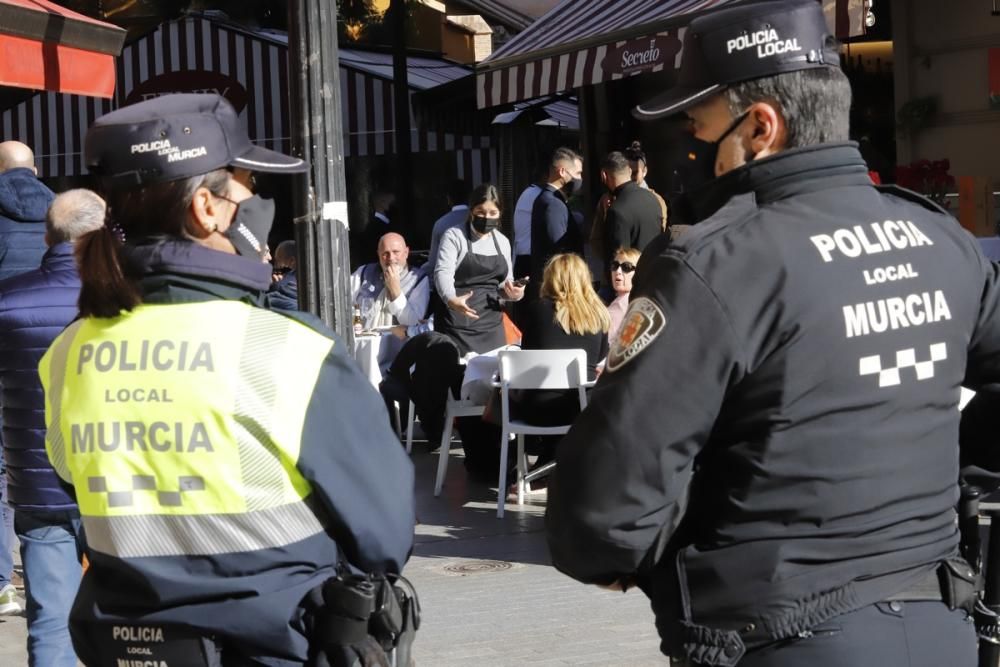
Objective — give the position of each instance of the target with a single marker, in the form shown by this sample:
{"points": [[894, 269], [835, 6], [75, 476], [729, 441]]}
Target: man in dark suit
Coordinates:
{"points": [[553, 229], [634, 218]]}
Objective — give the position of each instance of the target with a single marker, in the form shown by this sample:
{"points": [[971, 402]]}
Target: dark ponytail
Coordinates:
{"points": [[106, 290], [157, 211]]}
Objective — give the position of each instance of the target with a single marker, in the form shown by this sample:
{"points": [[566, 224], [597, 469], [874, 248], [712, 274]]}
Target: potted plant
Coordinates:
{"points": [[928, 177]]}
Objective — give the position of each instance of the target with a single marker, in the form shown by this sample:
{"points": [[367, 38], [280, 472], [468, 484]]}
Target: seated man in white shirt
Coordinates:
{"points": [[390, 294]]}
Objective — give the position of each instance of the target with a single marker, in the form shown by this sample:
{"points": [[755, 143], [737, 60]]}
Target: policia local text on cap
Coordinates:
{"points": [[771, 454]]}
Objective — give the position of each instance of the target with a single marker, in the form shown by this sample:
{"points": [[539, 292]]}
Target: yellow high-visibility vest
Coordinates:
{"points": [[179, 425]]}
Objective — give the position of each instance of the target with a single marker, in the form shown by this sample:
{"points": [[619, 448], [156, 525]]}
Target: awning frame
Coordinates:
{"points": [[490, 71], [620, 35]]}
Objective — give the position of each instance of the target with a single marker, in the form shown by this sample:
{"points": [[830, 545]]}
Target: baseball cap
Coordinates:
{"points": [[176, 136], [744, 42]]}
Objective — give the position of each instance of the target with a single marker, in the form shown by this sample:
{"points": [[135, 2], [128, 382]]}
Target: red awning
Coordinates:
{"points": [[48, 47]]}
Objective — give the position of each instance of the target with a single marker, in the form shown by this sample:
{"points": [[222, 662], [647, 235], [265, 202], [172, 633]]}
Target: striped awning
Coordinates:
{"points": [[196, 54], [495, 11], [585, 42]]}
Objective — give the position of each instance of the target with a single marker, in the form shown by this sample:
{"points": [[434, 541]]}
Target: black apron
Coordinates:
{"points": [[482, 275]]}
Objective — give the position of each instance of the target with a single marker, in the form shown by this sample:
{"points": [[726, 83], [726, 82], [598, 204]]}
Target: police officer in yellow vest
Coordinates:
{"points": [[226, 458]]}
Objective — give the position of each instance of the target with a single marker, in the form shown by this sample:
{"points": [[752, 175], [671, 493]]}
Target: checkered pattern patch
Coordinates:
{"points": [[891, 376], [145, 483]]}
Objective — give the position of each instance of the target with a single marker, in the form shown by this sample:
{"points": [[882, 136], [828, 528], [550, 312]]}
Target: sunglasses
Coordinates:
{"points": [[626, 267], [281, 270]]}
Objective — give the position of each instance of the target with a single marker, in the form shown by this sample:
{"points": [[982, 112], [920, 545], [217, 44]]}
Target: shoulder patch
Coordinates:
{"points": [[643, 322]]}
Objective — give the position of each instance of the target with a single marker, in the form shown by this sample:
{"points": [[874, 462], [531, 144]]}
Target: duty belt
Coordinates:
{"points": [[953, 582]]}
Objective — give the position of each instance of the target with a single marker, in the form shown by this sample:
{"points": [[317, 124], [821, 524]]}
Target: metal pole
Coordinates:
{"points": [[401, 115], [321, 228]]}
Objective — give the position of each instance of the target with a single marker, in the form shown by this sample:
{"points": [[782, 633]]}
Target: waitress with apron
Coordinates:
{"points": [[473, 273]]}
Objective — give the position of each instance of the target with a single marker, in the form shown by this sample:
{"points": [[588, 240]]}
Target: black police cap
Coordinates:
{"points": [[744, 42], [173, 137]]}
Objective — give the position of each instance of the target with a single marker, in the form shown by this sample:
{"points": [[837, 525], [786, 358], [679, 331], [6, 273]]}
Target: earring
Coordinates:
{"points": [[214, 228]]}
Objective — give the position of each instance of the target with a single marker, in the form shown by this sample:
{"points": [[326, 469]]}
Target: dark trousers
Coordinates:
{"points": [[886, 634], [433, 358]]}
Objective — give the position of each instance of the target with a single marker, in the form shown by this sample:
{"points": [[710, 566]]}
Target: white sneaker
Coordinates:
{"points": [[8, 601]]}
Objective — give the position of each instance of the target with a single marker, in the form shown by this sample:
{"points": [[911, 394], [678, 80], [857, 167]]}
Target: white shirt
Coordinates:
{"points": [[522, 220], [407, 309]]}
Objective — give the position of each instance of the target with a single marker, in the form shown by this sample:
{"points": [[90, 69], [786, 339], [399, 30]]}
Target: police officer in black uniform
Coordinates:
{"points": [[772, 453]]}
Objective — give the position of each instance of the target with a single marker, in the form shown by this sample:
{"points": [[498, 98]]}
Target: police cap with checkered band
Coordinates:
{"points": [[176, 136], [744, 42]]}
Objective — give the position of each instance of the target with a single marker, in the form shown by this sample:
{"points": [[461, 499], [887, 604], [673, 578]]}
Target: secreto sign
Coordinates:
{"points": [[640, 55]]}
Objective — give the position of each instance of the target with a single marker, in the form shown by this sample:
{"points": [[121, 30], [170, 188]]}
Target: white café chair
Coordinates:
{"points": [[453, 408], [534, 369], [409, 426], [410, 416]]}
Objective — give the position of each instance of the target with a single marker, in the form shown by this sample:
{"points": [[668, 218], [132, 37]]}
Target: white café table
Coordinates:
{"points": [[367, 346]]}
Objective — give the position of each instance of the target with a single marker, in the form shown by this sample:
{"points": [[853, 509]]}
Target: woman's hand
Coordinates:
{"points": [[459, 304], [513, 292]]}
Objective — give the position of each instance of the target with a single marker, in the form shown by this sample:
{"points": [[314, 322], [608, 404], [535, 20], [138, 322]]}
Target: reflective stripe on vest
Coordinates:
{"points": [[180, 427]]}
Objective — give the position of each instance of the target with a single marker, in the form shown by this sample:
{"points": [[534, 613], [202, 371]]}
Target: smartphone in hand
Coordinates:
{"points": [[521, 282]]}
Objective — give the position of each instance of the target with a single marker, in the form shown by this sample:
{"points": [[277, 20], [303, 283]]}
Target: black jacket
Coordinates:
{"points": [[34, 307], [777, 433], [284, 294], [632, 221]]}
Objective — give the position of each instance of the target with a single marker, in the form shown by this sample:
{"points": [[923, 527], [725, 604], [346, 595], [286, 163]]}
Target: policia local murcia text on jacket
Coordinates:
{"points": [[772, 449], [225, 457]]}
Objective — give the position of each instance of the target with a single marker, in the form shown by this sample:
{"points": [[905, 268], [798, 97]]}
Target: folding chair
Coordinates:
{"points": [[534, 369], [453, 408]]}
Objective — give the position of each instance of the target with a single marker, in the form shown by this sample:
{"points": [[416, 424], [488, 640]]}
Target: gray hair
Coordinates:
{"points": [[73, 214], [815, 103]]}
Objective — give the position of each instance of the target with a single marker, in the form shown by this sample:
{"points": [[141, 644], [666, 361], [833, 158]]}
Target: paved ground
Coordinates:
{"points": [[521, 611], [489, 595]]}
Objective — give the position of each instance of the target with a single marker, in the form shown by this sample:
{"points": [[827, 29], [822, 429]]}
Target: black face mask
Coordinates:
{"points": [[249, 229], [713, 147], [484, 225], [573, 188]]}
